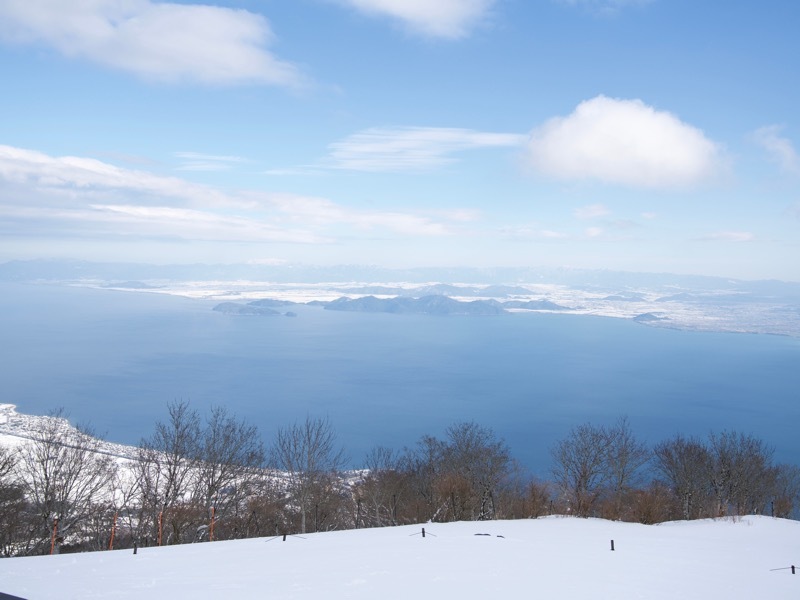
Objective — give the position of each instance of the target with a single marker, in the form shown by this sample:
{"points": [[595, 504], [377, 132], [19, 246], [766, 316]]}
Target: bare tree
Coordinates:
{"points": [[653, 503], [787, 491], [457, 478], [12, 506], [8, 461], [524, 497], [381, 488], [231, 463], [64, 474], [580, 467], [133, 518], [740, 472], [475, 460], [423, 465], [625, 459], [308, 454], [684, 464], [166, 472]]}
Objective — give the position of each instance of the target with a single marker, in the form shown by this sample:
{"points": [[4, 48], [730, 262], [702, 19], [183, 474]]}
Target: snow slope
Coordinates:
{"points": [[553, 557]]}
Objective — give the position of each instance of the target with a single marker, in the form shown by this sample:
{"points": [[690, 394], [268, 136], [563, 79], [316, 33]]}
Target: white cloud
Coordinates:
{"points": [[729, 236], [402, 223], [594, 232], [190, 224], [552, 235], [83, 196], [196, 161], [780, 148], [593, 211], [159, 41], [321, 212], [437, 18], [623, 142], [411, 148], [88, 176], [462, 215], [531, 232]]}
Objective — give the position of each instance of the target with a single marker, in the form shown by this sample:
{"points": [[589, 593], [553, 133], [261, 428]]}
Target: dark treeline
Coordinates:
{"points": [[200, 478]]}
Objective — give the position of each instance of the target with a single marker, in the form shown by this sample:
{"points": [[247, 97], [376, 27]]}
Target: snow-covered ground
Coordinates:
{"points": [[553, 557]]}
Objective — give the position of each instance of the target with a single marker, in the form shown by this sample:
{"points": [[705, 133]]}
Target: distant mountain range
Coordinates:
{"points": [[441, 289], [234, 308], [656, 299], [428, 305], [433, 304], [501, 280]]}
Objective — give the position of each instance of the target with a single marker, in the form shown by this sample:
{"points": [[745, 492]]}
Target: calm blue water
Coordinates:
{"points": [[116, 359]]}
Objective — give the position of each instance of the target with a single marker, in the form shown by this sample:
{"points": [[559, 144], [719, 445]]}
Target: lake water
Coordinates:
{"points": [[117, 359]]}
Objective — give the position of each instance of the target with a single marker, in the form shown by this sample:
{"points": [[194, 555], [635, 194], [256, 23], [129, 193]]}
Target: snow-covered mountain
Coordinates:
{"points": [[16, 427]]}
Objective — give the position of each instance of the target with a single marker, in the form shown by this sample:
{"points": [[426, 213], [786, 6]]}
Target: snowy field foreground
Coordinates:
{"points": [[554, 557]]}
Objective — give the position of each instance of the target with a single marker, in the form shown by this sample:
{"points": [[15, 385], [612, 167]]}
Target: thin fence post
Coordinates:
{"points": [[792, 569], [53, 538], [612, 545], [160, 526], [423, 532], [211, 528], [113, 531]]}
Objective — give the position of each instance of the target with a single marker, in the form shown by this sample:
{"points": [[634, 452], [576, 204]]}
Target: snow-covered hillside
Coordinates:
{"points": [[16, 428], [553, 557]]}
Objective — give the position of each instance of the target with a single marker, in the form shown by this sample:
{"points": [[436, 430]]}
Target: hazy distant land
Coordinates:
{"points": [[687, 302]]}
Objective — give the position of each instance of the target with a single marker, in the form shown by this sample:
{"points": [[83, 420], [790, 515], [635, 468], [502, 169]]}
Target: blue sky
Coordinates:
{"points": [[633, 135]]}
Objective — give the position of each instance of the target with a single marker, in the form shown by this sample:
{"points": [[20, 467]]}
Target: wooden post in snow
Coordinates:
{"points": [[160, 526], [113, 532], [53, 538], [211, 528]]}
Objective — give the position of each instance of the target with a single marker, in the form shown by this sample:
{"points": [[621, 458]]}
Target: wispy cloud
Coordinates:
{"points": [[301, 171], [322, 212], [780, 148], [605, 7], [623, 142], [66, 175], [75, 195], [197, 225], [728, 236], [531, 232], [593, 211], [594, 232], [411, 148], [154, 40], [450, 19], [196, 161]]}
